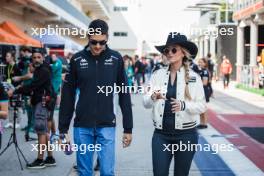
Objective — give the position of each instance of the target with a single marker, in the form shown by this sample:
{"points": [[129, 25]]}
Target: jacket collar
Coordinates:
{"points": [[100, 57], [179, 71]]}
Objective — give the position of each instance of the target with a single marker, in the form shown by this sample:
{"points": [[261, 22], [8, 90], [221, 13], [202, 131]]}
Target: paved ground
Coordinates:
{"points": [[136, 160]]}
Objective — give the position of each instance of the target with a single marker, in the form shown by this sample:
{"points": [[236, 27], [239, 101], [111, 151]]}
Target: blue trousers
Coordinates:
{"points": [[103, 137], [161, 157]]}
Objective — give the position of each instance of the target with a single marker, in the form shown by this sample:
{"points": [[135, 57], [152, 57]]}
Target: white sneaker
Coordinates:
{"points": [[8, 125]]}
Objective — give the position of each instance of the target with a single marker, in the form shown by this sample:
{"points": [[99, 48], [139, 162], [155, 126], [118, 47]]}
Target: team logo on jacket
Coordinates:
{"points": [[83, 63], [109, 61]]}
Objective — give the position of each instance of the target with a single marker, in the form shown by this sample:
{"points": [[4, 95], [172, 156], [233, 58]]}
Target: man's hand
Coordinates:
{"points": [[127, 138], [64, 138]]}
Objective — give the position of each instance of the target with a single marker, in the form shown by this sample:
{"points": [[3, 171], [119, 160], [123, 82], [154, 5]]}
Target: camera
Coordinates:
{"points": [[16, 101]]}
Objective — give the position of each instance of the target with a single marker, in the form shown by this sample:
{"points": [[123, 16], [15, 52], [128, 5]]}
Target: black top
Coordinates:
{"points": [[91, 74], [140, 66], [210, 66], [40, 84], [10, 72], [24, 63], [194, 67], [204, 73], [3, 94], [168, 122]]}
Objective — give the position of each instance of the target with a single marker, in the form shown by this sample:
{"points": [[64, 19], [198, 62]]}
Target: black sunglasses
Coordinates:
{"points": [[37, 57], [166, 51], [94, 42]]}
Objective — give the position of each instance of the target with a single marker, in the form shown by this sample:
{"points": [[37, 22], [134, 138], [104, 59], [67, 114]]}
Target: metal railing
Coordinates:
{"points": [[245, 75]]}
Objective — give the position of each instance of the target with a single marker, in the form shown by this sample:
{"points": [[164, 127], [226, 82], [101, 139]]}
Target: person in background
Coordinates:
{"points": [[66, 64], [210, 67], [226, 70], [40, 90], [148, 69], [56, 80], [129, 71], [144, 66], [24, 63], [12, 70], [160, 63], [205, 76], [138, 67]]}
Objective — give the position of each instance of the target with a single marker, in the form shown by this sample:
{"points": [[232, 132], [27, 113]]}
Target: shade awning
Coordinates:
{"points": [[9, 39], [72, 45], [15, 31], [50, 39], [57, 40]]}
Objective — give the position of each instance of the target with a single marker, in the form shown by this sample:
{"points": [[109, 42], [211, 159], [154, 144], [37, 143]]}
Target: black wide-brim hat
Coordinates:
{"points": [[175, 38]]}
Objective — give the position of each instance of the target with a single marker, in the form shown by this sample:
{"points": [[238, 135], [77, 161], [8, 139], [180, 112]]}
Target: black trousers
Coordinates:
{"points": [[226, 79], [164, 149]]}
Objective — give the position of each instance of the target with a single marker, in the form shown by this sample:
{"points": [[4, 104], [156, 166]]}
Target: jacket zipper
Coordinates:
{"points": [[96, 82]]}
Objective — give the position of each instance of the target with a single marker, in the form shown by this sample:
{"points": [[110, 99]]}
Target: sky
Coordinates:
{"points": [[158, 17]]}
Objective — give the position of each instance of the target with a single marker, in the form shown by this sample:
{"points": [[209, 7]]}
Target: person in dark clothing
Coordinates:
{"points": [[143, 69], [91, 69], [138, 70], [210, 64], [41, 92], [11, 70], [24, 64], [205, 76], [194, 67]]}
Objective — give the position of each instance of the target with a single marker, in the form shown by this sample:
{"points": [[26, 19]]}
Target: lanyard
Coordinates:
{"points": [[9, 71]]}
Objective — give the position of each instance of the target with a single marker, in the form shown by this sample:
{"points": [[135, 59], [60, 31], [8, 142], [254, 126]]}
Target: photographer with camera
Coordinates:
{"points": [[41, 92], [11, 70], [3, 108]]}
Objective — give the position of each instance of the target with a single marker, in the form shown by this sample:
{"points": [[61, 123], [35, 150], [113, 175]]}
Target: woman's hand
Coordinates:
{"points": [[176, 105], [157, 95]]}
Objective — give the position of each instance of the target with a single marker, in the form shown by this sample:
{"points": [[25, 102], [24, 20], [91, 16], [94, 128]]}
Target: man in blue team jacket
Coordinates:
{"points": [[91, 70]]}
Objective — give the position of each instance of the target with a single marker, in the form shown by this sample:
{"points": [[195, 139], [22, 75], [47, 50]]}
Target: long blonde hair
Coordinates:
{"points": [[186, 66]]}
